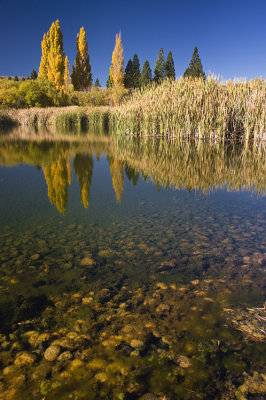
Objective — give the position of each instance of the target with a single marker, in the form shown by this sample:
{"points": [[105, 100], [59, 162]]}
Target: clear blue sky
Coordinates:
{"points": [[230, 34]]}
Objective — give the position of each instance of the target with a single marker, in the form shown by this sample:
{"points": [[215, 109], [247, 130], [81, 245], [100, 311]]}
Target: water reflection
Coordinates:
{"points": [[198, 166], [83, 165], [156, 298], [58, 179]]}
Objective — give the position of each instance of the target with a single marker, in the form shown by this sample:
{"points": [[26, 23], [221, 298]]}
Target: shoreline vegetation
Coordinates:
{"points": [[191, 107]]}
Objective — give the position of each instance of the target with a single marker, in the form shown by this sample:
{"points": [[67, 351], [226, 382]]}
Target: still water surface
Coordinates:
{"points": [[131, 269]]}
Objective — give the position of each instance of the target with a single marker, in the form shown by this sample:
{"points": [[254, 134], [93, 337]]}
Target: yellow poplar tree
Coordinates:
{"points": [[81, 73], [52, 64], [66, 74], [117, 67], [44, 60]]}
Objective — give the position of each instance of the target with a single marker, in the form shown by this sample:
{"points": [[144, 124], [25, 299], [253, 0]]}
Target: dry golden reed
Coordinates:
{"points": [[197, 108]]}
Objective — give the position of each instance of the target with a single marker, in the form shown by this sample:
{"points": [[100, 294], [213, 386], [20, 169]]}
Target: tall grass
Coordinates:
{"points": [[6, 121], [196, 108], [98, 119]]}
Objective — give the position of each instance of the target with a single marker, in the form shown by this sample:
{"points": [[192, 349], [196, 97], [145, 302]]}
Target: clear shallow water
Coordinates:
{"points": [[125, 256]]}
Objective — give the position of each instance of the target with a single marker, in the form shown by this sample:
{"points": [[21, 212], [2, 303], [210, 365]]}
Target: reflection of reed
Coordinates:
{"points": [[196, 165]]}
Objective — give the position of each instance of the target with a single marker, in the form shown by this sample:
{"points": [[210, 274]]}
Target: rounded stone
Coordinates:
{"points": [[52, 352]]}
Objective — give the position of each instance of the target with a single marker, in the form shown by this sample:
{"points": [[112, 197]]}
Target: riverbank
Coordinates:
{"points": [[194, 108], [49, 116]]}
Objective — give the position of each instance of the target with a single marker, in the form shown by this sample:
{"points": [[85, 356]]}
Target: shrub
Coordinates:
{"points": [[40, 93], [30, 93], [96, 97]]}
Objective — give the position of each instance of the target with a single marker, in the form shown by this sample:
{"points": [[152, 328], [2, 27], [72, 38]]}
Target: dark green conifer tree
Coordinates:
{"points": [[128, 75], [159, 69], [33, 75], [146, 74], [97, 83], [169, 67], [195, 69], [135, 72], [109, 82], [16, 78]]}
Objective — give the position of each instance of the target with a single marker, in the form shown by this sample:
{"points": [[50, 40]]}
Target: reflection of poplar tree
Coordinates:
{"points": [[58, 178], [116, 169], [83, 165]]}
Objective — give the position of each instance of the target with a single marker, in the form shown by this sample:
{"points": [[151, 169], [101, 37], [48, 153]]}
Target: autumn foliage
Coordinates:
{"points": [[53, 65], [81, 73]]}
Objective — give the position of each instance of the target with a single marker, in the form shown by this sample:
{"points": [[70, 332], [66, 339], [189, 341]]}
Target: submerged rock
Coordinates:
{"points": [[52, 352], [24, 358], [182, 361], [87, 261], [65, 356], [137, 344], [162, 285], [251, 322], [255, 384]]}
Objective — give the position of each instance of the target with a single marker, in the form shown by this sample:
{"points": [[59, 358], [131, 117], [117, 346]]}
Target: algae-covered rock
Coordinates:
{"points": [[101, 377], [87, 300], [182, 361], [52, 352], [76, 364], [87, 261], [255, 384], [97, 363], [24, 358], [251, 322], [10, 370], [66, 355], [162, 285], [137, 344]]}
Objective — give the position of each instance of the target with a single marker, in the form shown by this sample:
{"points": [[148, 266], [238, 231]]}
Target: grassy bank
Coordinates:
{"points": [[194, 108], [69, 117]]}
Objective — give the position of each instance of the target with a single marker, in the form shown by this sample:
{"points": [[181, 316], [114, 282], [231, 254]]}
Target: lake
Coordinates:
{"points": [[131, 268]]}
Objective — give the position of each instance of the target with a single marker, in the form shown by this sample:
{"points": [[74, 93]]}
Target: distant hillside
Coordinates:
{"points": [[20, 78]]}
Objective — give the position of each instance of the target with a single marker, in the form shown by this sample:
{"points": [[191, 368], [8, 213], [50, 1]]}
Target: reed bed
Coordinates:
{"points": [[186, 107], [92, 119], [68, 117], [6, 121], [196, 108]]}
